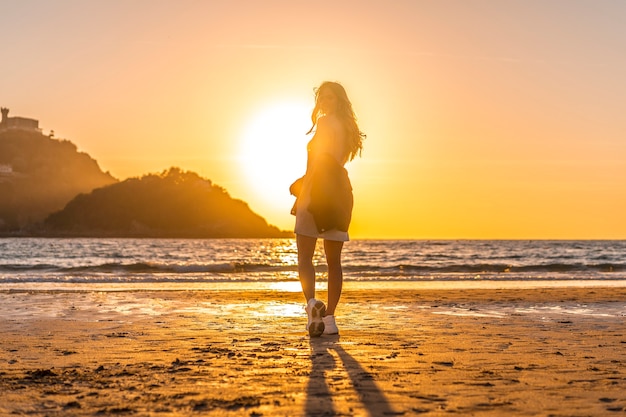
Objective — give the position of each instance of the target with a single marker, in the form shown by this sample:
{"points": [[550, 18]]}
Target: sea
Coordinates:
{"points": [[118, 264]]}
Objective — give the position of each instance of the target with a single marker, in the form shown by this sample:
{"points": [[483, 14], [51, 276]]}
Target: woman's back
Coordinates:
{"points": [[330, 138]]}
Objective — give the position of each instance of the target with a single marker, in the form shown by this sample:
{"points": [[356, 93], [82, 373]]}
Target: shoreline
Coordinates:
{"points": [[541, 351], [294, 286]]}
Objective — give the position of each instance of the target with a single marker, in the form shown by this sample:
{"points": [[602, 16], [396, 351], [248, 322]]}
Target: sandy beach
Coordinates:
{"points": [[513, 352]]}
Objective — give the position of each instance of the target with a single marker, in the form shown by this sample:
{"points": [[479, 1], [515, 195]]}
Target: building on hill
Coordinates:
{"points": [[6, 170], [18, 123]]}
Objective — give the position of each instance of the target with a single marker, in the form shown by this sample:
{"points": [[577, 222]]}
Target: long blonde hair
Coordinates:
{"points": [[345, 114]]}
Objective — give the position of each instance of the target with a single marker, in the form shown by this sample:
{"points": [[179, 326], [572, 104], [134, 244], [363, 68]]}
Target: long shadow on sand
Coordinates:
{"points": [[319, 400]]}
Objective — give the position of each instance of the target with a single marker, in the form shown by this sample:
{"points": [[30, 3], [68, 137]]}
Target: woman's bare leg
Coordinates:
{"points": [[332, 249], [306, 270]]}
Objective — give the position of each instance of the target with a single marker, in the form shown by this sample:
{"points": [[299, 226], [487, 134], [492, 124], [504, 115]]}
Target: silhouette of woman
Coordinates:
{"points": [[323, 207]]}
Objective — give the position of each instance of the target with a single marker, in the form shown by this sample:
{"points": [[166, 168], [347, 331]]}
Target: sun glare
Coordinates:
{"points": [[273, 153]]}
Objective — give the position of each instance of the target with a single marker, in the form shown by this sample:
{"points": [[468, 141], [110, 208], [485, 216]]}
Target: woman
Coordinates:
{"points": [[324, 205]]}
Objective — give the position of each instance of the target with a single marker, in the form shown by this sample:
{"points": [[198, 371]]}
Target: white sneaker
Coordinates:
{"points": [[330, 327], [315, 309]]}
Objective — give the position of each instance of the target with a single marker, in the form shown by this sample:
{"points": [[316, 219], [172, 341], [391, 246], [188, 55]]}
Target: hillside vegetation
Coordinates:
{"points": [[46, 174], [49, 188], [171, 204]]}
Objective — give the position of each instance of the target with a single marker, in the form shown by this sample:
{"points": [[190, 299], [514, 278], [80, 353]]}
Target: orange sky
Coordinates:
{"points": [[485, 119]]}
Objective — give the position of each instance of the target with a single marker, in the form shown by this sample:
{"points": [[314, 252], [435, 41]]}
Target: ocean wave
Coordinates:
{"points": [[506, 268], [242, 267], [147, 267]]}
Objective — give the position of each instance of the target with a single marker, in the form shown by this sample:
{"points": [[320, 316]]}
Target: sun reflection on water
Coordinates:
{"points": [[281, 310], [286, 286]]}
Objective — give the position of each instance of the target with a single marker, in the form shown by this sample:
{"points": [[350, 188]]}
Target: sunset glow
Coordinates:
{"points": [[272, 155], [483, 119]]}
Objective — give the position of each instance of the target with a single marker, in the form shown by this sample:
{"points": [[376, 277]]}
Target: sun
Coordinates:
{"points": [[272, 155]]}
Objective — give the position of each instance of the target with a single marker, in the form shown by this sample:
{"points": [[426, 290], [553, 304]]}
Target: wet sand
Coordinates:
{"points": [[481, 352]]}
